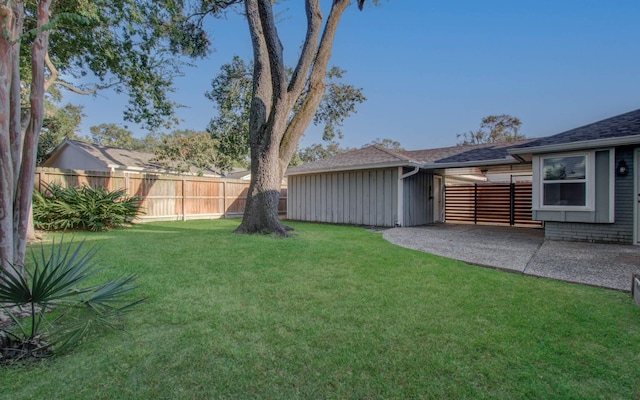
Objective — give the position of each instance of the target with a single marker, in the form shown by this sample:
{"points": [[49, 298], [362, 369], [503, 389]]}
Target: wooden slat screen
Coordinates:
{"points": [[490, 204]]}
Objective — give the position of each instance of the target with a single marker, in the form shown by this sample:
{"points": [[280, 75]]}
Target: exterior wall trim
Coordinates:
{"points": [[636, 192]]}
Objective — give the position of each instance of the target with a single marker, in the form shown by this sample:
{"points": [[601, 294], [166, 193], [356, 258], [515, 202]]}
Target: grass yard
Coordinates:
{"points": [[336, 312]]}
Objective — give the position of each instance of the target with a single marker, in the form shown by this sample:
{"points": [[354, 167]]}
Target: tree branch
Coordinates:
{"points": [[53, 72], [314, 22], [215, 8], [274, 48], [305, 114], [76, 90], [262, 94]]}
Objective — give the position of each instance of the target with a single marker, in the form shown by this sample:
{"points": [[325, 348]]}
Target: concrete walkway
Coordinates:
{"points": [[524, 250]]}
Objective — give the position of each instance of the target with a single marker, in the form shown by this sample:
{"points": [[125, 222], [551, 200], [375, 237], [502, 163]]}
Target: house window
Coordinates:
{"points": [[565, 181]]}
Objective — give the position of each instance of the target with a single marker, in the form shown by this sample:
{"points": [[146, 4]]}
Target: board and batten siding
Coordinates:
{"points": [[364, 197], [418, 199], [621, 230]]}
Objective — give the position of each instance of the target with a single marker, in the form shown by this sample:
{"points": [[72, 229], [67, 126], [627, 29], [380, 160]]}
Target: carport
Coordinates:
{"points": [[478, 184], [481, 184]]}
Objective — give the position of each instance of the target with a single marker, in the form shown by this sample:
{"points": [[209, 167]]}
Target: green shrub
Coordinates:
{"points": [[84, 207], [53, 306]]}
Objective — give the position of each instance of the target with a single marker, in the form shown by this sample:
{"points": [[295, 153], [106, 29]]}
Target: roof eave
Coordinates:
{"points": [[354, 168], [586, 144], [464, 164]]}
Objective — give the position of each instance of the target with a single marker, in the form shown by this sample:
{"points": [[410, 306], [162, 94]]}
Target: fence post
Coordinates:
{"points": [[512, 203], [184, 200], [475, 203], [224, 193]]}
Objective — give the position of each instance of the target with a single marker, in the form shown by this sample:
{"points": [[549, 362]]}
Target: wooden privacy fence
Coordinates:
{"points": [[490, 204], [165, 197]]}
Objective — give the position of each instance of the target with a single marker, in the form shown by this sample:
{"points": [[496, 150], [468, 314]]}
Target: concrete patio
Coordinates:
{"points": [[524, 250]]}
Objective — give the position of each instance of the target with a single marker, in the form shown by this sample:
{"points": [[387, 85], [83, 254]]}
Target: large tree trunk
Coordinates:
{"points": [[273, 132], [261, 210], [24, 191], [18, 148], [11, 17]]}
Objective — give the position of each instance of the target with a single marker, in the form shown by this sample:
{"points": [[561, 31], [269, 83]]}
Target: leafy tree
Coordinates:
{"points": [[282, 107], [231, 92], [493, 129], [113, 135], [386, 143], [317, 151], [126, 44], [59, 123], [186, 150]]}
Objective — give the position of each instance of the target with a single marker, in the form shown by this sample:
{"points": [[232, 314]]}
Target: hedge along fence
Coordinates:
{"points": [[165, 197]]}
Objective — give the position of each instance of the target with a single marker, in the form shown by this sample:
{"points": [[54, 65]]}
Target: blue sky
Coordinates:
{"points": [[432, 69]]}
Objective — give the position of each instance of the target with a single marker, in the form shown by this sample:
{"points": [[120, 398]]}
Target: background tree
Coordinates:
{"points": [[59, 123], [115, 136], [126, 44], [493, 129], [231, 92], [317, 151], [281, 107], [385, 143], [186, 151]]}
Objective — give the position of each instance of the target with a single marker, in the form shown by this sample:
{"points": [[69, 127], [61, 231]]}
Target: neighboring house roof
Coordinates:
{"points": [[446, 157], [73, 154], [364, 158], [238, 173], [619, 130]]}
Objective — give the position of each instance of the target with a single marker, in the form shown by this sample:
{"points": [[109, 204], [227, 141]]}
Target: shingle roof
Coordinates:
{"points": [[375, 156], [462, 154], [370, 156], [122, 158], [116, 156], [619, 126]]}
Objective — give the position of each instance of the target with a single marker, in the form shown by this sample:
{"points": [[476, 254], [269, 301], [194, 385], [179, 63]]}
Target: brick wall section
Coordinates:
{"points": [[621, 231]]}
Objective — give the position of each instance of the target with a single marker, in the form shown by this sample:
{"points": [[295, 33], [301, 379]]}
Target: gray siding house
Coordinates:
{"points": [[585, 181], [381, 187], [369, 186]]}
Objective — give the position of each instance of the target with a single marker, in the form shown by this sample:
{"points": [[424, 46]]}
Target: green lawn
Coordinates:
{"points": [[336, 312]]}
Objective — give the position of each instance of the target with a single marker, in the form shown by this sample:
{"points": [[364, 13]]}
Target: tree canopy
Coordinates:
{"points": [[126, 44], [186, 151], [59, 123], [493, 129], [135, 47], [386, 143], [232, 93]]}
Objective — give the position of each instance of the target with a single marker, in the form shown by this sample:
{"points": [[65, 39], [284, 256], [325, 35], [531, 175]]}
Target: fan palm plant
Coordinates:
{"points": [[84, 207], [52, 305]]}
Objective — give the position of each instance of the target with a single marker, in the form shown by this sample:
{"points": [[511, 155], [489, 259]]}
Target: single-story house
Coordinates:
{"points": [[382, 187], [77, 155], [582, 183], [586, 183]]}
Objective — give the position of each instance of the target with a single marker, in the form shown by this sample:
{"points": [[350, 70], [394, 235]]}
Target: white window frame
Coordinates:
{"points": [[590, 176]]}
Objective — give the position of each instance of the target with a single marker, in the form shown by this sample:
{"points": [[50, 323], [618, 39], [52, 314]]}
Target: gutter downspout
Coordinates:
{"points": [[401, 178]]}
